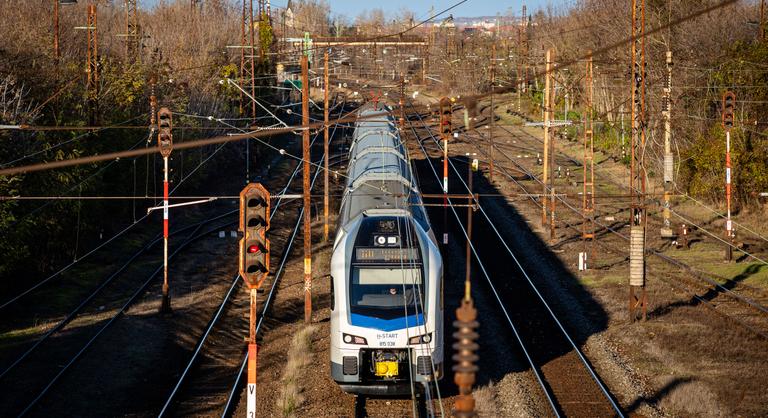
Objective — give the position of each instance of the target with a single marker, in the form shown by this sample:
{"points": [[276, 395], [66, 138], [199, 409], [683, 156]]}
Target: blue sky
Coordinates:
{"points": [[352, 8]]}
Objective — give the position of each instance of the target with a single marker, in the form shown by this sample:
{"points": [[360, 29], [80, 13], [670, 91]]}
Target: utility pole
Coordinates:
{"points": [[522, 66], [56, 50], [307, 217], [253, 266], [638, 215], [264, 21], [763, 27], [325, 147], [588, 194], [472, 166], [131, 30], [493, 114], [445, 134], [466, 324], [729, 105], [152, 100], [247, 64], [669, 162], [547, 134], [247, 73], [165, 144], [402, 102], [92, 66]]}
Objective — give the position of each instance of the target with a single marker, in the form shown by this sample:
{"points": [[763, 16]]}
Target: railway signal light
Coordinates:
{"points": [[729, 104], [164, 135], [254, 224], [445, 118]]}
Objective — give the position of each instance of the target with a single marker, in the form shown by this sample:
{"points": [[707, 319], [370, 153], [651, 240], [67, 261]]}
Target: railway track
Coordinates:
{"points": [[26, 387], [567, 379], [30, 377], [701, 288], [205, 386]]}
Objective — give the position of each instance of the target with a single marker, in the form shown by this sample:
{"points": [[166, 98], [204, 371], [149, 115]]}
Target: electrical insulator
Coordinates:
{"points": [[465, 358], [254, 224], [164, 134], [729, 104]]}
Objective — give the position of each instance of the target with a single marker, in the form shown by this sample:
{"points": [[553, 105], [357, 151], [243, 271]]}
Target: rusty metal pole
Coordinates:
{"points": [[638, 215], [402, 102], [469, 224], [465, 357], [131, 30], [466, 324], [547, 121], [307, 218], [493, 113], [92, 68], [56, 51], [763, 27], [252, 63], [152, 100], [524, 57], [243, 40], [552, 216], [325, 148]]}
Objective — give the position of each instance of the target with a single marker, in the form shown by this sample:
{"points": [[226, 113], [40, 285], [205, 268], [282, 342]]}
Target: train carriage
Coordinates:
{"points": [[386, 270]]}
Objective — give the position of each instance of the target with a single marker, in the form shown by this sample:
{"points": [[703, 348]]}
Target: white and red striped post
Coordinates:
{"points": [[728, 223], [166, 296], [165, 144], [729, 103], [445, 191], [253, 350]]}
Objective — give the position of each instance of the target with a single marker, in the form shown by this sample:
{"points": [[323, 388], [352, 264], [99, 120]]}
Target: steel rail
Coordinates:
{"points": [[668, 259], [579, 164], [268, 302], [537, 374], [199, 345], [679, 264], [222, 305], [581, 356], [72, 315], [270, 296], [117, 315], [65, 268]]}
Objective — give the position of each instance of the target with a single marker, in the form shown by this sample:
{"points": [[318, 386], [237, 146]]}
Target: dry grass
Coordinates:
{"points": [[299, 357]]}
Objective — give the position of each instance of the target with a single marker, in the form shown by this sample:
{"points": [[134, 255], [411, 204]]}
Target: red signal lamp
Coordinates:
{"points": [[254, 249]]}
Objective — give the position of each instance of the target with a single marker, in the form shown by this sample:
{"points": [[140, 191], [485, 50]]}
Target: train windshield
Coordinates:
{"points": [[387, 292], [387, 278]]}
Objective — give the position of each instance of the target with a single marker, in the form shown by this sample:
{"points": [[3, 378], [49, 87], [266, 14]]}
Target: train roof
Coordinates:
{"points": [[379, 172]]}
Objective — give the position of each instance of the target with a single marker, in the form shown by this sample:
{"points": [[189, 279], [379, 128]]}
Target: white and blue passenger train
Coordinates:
{"points": [[386, 270]]}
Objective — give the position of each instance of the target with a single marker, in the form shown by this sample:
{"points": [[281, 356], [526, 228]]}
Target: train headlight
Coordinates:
{"points": [[354, 339], [421, 339]]}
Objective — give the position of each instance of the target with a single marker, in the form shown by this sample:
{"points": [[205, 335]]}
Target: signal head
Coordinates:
{"points": [[164, 131], [729, 106], [254, 224]]}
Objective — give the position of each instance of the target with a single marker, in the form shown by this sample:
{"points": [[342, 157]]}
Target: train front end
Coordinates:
{"points": [[386, 320]]}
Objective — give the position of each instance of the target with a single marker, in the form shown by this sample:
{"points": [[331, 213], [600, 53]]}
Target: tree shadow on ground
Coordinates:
{"points": [[710, 294], [660, 394]]}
